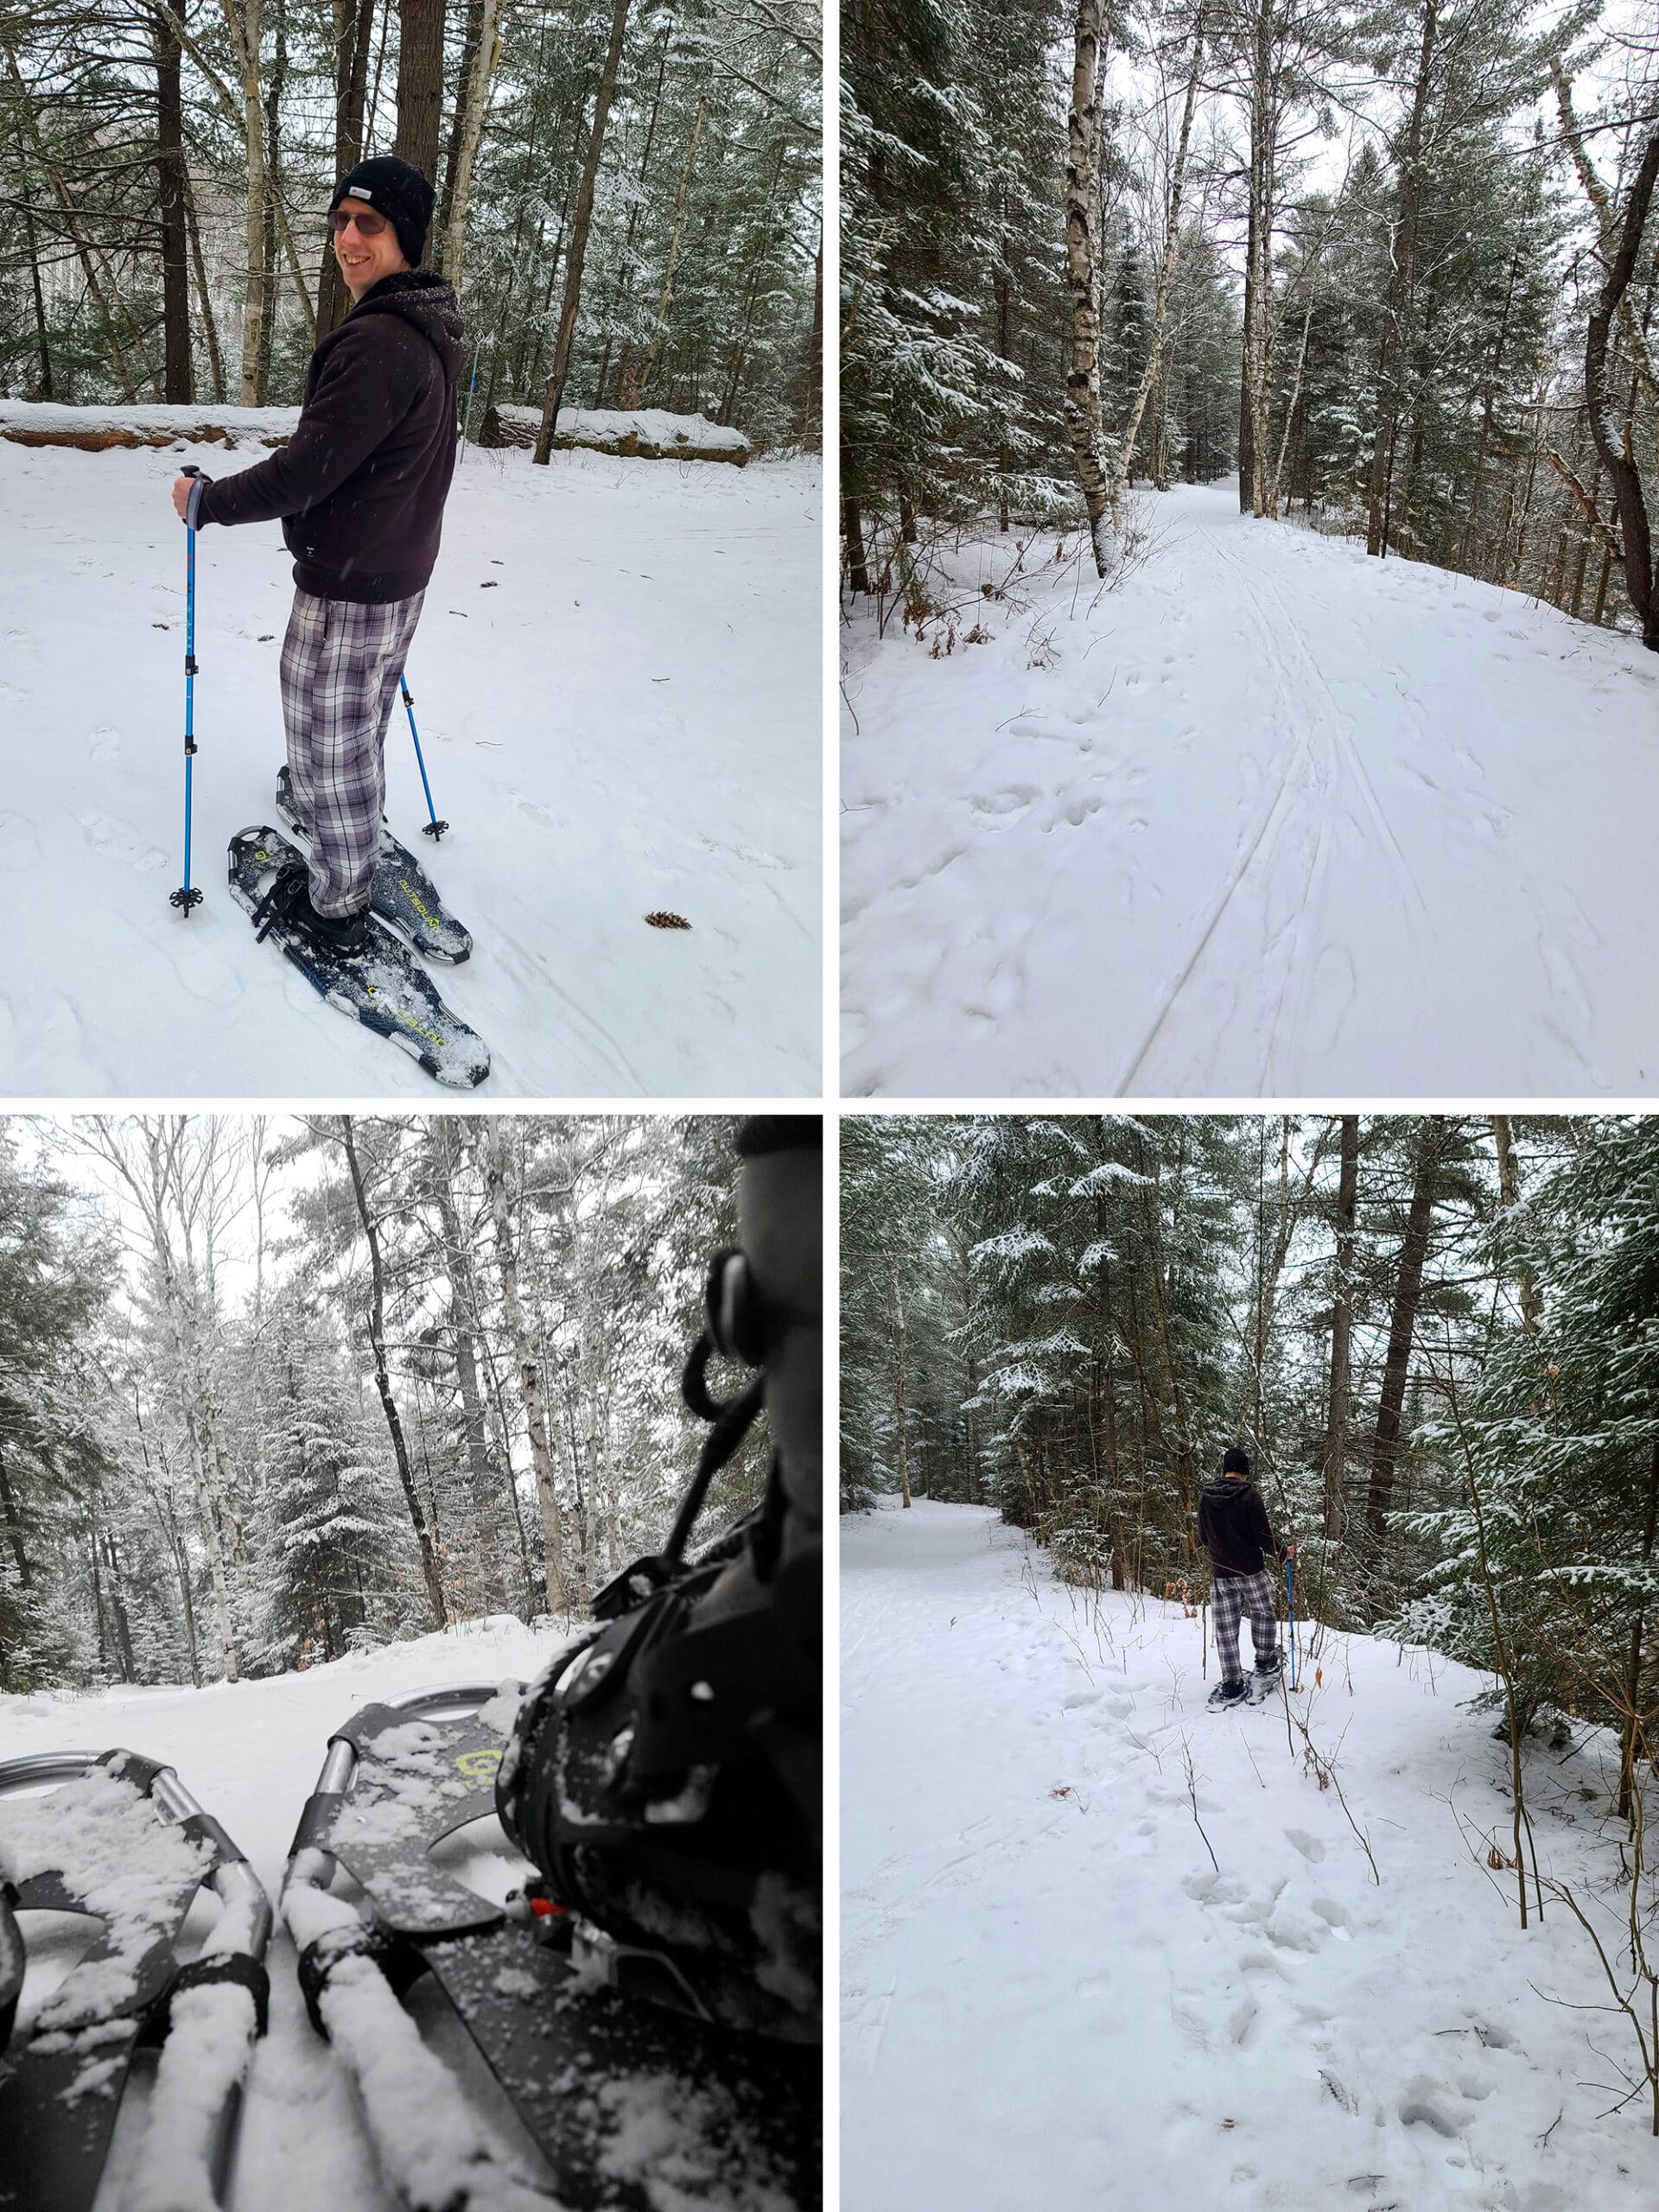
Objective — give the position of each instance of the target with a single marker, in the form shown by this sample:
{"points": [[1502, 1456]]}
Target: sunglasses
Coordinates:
{"points": [[369, 226]]}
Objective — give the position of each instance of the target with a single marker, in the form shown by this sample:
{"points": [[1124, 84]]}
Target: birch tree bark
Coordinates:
{"points": [[243, 24], [471, 134]]}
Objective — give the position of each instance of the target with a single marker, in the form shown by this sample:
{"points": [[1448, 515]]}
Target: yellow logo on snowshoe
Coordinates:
{"points": [[479, 1766]]}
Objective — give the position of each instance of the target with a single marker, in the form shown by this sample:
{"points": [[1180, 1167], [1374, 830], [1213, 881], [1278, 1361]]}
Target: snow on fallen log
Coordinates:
{"points": [[93, 430], [644, 433]]}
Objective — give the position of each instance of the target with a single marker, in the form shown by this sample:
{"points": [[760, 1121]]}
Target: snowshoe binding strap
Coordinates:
{"points": [[281, 896], [65, 2077], [561, 2046]]}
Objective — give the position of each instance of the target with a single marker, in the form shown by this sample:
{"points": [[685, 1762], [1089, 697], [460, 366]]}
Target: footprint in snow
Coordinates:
{"points": [[20, 848], [117, 840], [1424, 2105], [1003, 808], [1310, 1846], [106, 743]]}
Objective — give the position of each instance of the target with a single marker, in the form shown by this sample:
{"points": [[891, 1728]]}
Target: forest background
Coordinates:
{"points": [[1437, 1336], [1393, 261], [272, 1390], [629, 196]]}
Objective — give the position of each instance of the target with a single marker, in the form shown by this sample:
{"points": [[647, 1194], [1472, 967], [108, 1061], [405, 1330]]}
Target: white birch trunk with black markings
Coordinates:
{"points": [[472, 133]]}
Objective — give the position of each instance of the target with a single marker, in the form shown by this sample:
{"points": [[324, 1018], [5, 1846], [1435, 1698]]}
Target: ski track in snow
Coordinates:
{"points": [[1049, 1995], [249, 1754], [1280, 819], [628, 721]]}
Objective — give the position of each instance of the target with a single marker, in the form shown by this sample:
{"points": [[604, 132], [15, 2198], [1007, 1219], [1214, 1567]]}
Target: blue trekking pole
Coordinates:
{"points": [[1290, 1599], [434, 829], [184, 899]]}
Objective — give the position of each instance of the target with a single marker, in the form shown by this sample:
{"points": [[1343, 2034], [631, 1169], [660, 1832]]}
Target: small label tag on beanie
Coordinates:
{"points": [[358, 192]]}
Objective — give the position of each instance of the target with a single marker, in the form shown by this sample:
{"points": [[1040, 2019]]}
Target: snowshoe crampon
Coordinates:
{"points": [[627, 2103], [403, 894], [122, 1842], [386, 989]]}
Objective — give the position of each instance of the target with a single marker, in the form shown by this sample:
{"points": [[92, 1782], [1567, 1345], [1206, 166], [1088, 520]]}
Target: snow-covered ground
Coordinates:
{"points": [[1272, 818], [616, 680], [1050, 1995], [249, 1754]]}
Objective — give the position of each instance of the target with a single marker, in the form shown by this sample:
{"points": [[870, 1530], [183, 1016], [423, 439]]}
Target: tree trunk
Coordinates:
{"points": [[900, 1409], [177, 381], [1632, 1730], [353, 35], [13, 1528], [1402, 279], [377, 1318], [204, 299], [242, 19], [469, 131], [420, 83], [852, 531], [484, 1486], [274, 92], [1509, 1186], [576, 253], [529, 1376], [665, 297], [1408, 1290], [1083, 422], [1617, 453], [1171, 254], [1342, 1322]]}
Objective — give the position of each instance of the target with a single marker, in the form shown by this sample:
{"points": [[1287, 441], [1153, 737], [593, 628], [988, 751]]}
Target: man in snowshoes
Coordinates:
{"points": [[360, 489], [1234, 1529]]}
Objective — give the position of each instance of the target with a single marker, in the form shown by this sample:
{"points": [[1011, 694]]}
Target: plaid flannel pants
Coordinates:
{"points": [[1232, 1596], [339, 671]]}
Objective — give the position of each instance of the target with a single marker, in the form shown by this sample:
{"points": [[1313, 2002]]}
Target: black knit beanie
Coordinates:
{"points": [[1234, 1462], [396, 190]]}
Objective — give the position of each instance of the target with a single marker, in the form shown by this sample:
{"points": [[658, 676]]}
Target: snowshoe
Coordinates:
{"points": [[1226, 1694], [622, 2103], [1266, 1676], [403, 893], [121, 1841], [385, 988]]}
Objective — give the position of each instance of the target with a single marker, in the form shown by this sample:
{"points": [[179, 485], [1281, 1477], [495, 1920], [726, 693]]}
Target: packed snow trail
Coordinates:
{"points": [[1049, 1994], [606, 740], [250, 1753], [1273, 818]]}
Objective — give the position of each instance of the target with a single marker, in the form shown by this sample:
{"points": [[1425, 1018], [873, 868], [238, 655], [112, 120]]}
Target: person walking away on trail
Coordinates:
{"points": [[1234, 1529], [360, 489]]}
